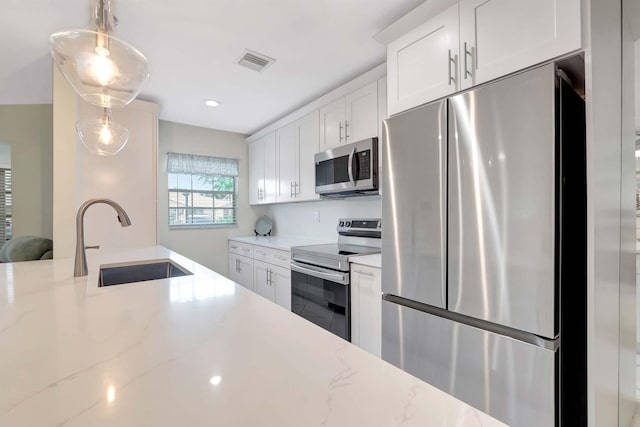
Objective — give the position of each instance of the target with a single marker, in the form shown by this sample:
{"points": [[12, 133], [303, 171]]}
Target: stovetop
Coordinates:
{"points": [[356, 236], [336, 250]]}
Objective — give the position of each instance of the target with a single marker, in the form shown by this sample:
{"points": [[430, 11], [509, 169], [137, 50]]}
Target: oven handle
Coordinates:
{"points": [[351, 177], [341, 278]]}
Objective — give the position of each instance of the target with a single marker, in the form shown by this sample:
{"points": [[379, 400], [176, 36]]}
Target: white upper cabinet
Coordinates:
{"points": [[296, 145], [256, 172], [332, 124], [350, 119], [423, 64], [262, 171], [498, 37], [475, 41], [361, 120], [282, 155], [308, 137], [287, 150]]}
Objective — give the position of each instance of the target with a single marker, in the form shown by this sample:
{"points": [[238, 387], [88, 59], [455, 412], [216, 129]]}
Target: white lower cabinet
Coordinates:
{"points": [[273, 283], [241, 270], [366, 308], [264, 270]]}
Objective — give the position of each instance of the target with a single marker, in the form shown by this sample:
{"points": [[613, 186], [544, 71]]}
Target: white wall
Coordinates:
{"points": [[208, 246], [637, 84], [29, 131], [5, 155], [298, 219], [128, 178]]}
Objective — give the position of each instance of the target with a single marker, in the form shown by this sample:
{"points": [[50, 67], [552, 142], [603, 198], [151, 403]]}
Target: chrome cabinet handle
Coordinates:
{"points": [[92, 247], [468, 53], [233, 247], [346, 135], [237, 267], [246, 249], [340, 131], [297, 191], [350, 169], [452, 60]]}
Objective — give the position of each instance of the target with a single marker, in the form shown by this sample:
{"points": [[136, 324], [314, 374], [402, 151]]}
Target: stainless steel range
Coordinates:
{"points": [[320, 280]]}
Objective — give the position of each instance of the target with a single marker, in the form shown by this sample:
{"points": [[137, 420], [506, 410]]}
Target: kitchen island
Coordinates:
{"points": [[196, 350]]}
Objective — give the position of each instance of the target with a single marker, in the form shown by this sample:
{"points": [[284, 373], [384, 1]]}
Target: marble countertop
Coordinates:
{"points": [[279, 242], [195, 351], [374, 260]]}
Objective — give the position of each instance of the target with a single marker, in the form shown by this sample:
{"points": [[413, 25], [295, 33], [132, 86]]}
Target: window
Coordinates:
{"points": [[202, 190], [5, 206]]}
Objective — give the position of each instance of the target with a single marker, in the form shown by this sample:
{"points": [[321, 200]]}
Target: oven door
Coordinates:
{"points": [[322, 296], [348, 168]]}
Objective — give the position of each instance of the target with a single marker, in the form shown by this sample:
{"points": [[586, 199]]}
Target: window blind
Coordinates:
{"points": [[202, 190], [194, 164], [6, 221]]}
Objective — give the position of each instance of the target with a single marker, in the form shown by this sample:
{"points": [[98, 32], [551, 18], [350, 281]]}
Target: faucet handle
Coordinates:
{"points": [[92, 247]]}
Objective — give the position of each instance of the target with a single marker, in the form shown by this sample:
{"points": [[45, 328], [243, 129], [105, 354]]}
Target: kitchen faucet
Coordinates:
{"points": [[80, 267]]}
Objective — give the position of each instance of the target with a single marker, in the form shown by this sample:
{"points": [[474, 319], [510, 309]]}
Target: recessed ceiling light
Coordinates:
{"points": [[212, 102]]}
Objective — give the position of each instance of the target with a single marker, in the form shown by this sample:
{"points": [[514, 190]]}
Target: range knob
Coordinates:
{"points": [[348, 224], [341, 223]]}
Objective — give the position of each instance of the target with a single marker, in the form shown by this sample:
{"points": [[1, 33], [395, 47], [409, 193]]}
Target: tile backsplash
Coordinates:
{"points": [[319, 219]]}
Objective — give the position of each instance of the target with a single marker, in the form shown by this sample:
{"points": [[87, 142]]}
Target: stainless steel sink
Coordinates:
{"points": [[139, 271]]}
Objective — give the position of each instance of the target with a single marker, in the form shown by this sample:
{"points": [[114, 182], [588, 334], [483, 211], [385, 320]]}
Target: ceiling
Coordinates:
{"points": [[193, 46]]}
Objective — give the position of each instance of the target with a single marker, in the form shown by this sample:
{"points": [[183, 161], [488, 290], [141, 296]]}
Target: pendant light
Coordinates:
{"points": [[102, 69], [102, 136]]}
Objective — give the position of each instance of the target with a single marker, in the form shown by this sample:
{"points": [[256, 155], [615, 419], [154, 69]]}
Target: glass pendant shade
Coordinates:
{"points": [[102, 136], [102, 69]]}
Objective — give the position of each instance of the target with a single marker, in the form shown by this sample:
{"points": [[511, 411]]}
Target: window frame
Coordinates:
{"points": [[213, 193]]}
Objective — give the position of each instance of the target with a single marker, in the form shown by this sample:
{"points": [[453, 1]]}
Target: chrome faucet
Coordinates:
{"points": [[80, 268]]}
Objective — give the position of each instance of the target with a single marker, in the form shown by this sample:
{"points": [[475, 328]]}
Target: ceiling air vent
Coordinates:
{"points": [[255, 61]]}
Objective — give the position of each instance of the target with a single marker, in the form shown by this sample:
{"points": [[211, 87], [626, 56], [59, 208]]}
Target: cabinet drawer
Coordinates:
{"points": [[273, 256], [244, 249]]}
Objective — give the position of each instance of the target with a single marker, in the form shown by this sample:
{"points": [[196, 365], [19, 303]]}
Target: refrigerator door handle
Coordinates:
{"points": [[442, 131]]}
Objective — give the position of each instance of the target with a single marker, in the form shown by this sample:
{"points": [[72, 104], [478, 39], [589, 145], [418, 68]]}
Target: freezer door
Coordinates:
{"points": [[510, 380], [502, 170], [414, 209]]}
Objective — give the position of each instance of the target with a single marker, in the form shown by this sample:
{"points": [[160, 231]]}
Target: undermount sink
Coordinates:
{"points": [[139, 271]]}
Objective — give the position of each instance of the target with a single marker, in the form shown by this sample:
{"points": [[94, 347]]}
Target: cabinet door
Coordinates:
{"points": [[422, 65], [308, 135], [361, 113], [366, 303], [261, 280], [281, 283], [256, 172], [270, 172], [241, 270], [286, 149], [503, 36], [332, 124]]}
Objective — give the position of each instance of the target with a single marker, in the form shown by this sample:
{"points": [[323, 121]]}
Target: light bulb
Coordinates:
{"points": [[103, 69], [105, 136]]}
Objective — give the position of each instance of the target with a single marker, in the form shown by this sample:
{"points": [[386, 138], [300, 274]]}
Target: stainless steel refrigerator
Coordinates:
{"points": [[484, 247]]}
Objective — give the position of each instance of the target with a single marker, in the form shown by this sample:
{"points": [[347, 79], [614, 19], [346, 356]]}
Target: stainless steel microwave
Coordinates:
{"points": [[348, 170]]}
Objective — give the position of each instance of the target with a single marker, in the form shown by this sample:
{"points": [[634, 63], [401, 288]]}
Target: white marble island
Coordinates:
{"points": [[189, 351]]}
